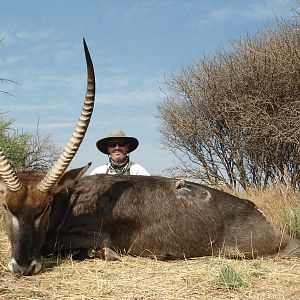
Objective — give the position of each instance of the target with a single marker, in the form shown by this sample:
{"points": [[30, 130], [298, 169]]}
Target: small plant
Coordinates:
{"points": [[230, 278]]}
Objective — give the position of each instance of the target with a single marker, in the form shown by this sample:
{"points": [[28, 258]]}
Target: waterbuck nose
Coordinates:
{"points": [[25, 269]]}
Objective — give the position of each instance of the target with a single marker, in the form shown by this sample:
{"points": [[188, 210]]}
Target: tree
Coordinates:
{"points": [[14, 145], [235, 117], [42, 153], [25, 151]]}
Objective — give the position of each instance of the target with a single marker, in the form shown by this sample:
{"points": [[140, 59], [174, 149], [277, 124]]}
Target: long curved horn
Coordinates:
{"points": [[8, 174], [70, 150]]}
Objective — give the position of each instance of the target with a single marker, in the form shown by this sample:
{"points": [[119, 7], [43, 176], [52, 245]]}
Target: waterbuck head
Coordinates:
{"points": [[27, 197]]}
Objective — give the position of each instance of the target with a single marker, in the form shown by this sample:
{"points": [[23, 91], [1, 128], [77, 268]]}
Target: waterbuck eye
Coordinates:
{"points": [[5, 206]]}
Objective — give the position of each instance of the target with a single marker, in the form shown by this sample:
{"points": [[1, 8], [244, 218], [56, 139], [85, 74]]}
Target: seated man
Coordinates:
{"points": [[117, 146]]}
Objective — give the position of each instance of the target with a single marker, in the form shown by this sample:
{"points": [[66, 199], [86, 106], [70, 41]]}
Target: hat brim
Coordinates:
{"points": [[103, 143]]}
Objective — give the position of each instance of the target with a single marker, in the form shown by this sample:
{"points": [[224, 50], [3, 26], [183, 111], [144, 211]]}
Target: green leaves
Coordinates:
{"points": [[15, 145]]}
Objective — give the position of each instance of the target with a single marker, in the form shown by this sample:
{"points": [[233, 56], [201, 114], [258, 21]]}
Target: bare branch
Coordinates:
{"points": [[235, 118]]}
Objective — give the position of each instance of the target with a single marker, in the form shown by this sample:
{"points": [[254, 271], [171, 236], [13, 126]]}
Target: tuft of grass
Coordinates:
{"points": [[230, 278], [292, 219]]}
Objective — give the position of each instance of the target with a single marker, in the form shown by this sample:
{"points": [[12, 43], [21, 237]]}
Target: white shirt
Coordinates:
{"points": [[134, 169]]}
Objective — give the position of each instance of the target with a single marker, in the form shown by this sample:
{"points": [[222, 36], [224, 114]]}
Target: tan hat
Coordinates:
{"points": [[103, 143]]}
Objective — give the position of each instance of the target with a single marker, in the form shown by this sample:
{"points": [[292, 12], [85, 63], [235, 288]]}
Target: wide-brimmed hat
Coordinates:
{"points": [[131, 141]]}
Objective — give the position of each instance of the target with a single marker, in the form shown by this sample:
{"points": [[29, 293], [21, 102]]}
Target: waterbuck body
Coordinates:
{"points": [[138, 215], [161, 217]]}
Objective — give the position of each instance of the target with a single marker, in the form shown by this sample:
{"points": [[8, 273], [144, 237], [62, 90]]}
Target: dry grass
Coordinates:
{"points": [[276, 202], [142, 278]]}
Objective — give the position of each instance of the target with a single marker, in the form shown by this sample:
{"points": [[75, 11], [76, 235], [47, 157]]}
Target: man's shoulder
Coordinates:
{"points": [[100, 170], [134, 165], [137, 169]]}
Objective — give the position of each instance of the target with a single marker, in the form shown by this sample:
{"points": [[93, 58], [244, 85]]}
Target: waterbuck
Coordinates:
{"points": [[101, 215]]}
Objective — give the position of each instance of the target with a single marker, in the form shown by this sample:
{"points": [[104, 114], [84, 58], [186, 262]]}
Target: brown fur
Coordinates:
{"points": [[28, 195]]}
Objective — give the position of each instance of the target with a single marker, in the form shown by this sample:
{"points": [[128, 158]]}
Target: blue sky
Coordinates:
{"points": [[134, 45]]}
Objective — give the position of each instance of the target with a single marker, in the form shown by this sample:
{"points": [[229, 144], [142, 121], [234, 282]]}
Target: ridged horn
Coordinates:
{"points": [[8, 174], [70, 150]]}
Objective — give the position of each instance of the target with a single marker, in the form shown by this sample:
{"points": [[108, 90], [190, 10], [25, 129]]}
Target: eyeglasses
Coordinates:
{"points": [[114, 144]]}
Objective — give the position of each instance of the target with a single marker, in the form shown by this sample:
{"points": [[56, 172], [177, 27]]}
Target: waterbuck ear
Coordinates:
{"points": [[70, 178]]}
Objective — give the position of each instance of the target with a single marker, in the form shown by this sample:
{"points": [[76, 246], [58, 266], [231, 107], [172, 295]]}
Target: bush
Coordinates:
{"points": [[27, 152], [234, 118]]}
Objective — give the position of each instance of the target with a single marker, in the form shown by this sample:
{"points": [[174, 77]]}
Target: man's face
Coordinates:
{"points": [[117, 149]]}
